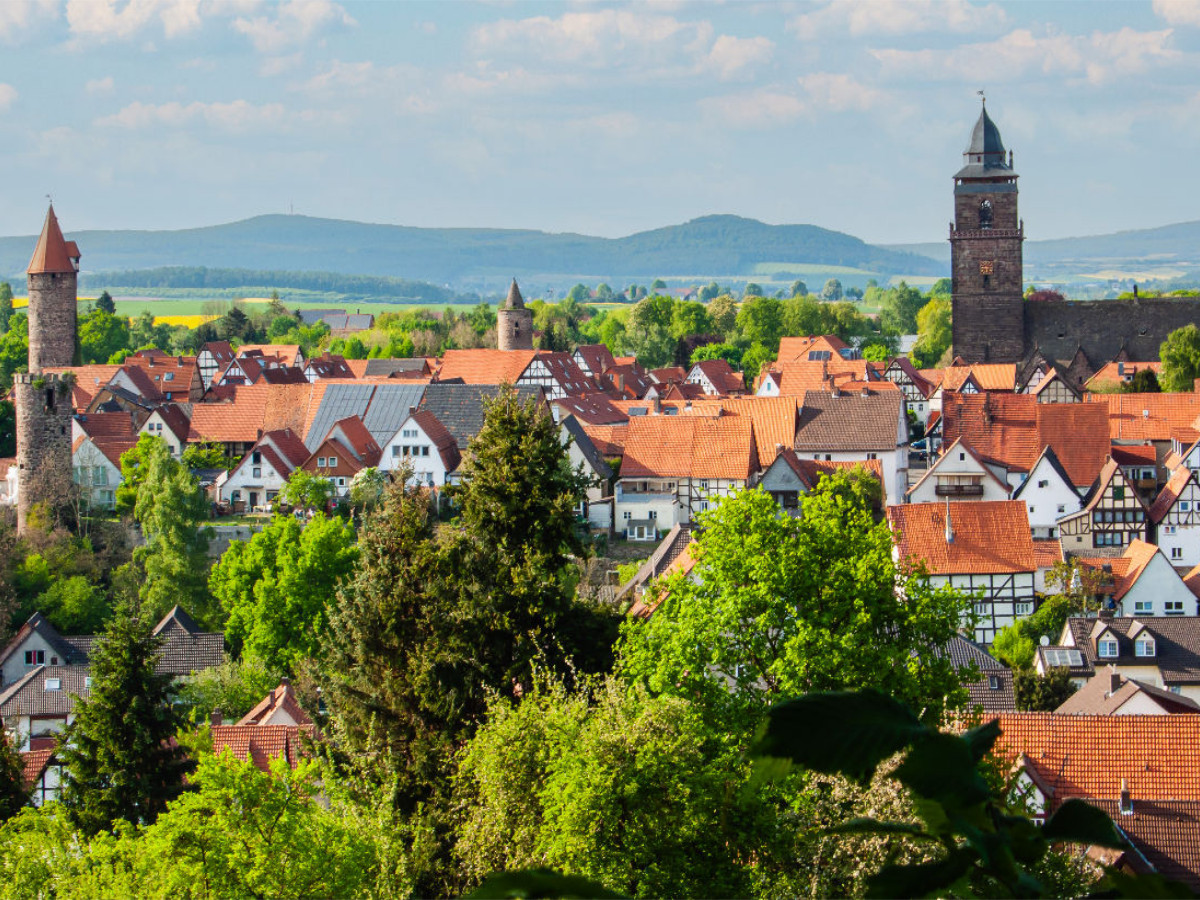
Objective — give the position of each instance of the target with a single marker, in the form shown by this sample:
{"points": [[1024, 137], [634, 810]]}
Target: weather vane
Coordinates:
{"points": [[982, 97]]}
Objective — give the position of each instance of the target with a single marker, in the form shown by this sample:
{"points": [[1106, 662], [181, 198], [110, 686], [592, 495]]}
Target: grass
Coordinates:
{"points": [[780, 268]]}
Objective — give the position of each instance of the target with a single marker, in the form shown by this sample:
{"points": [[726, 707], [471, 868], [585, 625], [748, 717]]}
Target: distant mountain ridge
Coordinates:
{"points": [[719, 244]]}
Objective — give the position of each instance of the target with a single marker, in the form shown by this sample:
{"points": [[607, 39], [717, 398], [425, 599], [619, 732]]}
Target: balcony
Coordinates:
{"points": [[959, 490]]}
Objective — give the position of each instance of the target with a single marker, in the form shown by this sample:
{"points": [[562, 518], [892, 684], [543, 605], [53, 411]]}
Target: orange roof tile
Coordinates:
{"points": [[1087, 756], [988, 536], [286, 353], [89, 380], [609, 440], [1147, 417], [690, 447], [1192, 580], [1047, 554], [793, 348], [485, 366], [1170, 493], [1120, 372], [52, 255], [260, 744]]}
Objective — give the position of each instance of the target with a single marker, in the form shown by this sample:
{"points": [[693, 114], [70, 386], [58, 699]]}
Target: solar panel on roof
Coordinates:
{"points": [[1058, 656]]}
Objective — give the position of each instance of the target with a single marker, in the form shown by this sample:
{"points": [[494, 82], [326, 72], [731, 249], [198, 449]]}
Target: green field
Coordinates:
{"points": [[801, 269]]}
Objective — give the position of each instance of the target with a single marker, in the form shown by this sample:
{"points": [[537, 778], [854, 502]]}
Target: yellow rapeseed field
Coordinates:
{"points": [[189, 321]]}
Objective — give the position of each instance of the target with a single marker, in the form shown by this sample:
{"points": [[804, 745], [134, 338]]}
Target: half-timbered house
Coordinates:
{"points": [[212, 360], [980, 548], [555, 372], [915, 388], [958, 474], [1175, 516], [1054, 388], [1112, 515], [716, 378], [1141, 582]]}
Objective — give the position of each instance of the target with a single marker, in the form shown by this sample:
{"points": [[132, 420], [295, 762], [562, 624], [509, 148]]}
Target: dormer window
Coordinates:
{"points": [[53, 684], [1107, 648], [1143, 646]]}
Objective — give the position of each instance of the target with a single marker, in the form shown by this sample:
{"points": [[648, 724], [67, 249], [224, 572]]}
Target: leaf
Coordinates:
{"points": [[838, 732], [942, 768], [1152, 886], [981, 738], [1077, 822], [922, 879], [874, 826], [538, 883]]}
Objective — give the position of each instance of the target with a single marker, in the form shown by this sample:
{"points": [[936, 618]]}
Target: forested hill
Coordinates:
{"points": [[713, 245]]}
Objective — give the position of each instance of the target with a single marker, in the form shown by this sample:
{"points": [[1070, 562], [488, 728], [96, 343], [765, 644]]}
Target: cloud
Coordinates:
{"points": [[591, 38], [897, 17], [1099, 57], [99, 85], [838, 92], [110, 20], [732, 54], [292, 22], [762, 108], [8, 94], [1178, 12], [519, 80], [18, 15], [238, 115]]}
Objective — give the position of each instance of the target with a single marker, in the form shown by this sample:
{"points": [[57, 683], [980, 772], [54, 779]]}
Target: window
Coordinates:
{"points": [[409, 433], [627, 515], [53, 684], [1025, 609], [1107, 648], [341, 482], [1185, 506], [320, 462], [256, 457], [1174, 607], [396, 449], [1176, 553], [1062, 508], [1168, 529], [704, 484], [1118, 493], [1143, 608], [653, 514], [994, 682], [1175, 689], [1143, 646], [1147, 474], [424, 451], [962, 456], [1043, 483], [256, 472], [872, 456], [35, 657]]}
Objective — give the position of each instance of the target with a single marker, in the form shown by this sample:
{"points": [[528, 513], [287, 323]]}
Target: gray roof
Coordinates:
{"points": [[587, 448], [1176, 639], [37, 694], [382, 408], [992, 690], [309, 316], [849, 422], [349, 321], [985, 156], [514, 300], [386, 366], [459, 407]]}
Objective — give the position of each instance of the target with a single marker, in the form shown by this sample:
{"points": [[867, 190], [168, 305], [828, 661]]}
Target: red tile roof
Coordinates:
{"points": [[1047, 554], [722, 377], [1147, 417], [1170, 493], [53, 254], [34, 763], [988, 536], [260, 744], [1134, 455], [485, 366], [447, 446], [286, 353], [89, 380], [690, 447], [793, 348], [282, 698], [609, 440], [1116, 373]]}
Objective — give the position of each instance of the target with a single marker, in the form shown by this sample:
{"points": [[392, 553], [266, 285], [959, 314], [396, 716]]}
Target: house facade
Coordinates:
{"points": [[958, 474], [1175, 517], [859, 426], [1111, 517], [424, 445], [1048, 495]]}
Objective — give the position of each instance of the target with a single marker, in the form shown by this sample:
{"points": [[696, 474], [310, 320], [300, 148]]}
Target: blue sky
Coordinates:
{"points": [[593, 117]]}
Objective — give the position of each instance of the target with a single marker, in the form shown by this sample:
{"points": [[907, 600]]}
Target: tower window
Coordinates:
{"points": [[987, 280], [985, 214]]}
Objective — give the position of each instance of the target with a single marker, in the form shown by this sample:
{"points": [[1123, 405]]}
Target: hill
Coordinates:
{"points": [[719, 246]]}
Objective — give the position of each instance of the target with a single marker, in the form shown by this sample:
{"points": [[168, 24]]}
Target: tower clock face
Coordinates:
{"points": [[987, 267]]}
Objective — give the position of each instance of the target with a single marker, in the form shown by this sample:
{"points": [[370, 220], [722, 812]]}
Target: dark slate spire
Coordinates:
{"points": [[985, 156], [515, 300]]}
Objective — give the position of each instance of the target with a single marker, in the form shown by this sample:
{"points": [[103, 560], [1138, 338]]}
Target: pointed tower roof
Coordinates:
{"points": [[985, 155], [53, 254], [514, 299]]}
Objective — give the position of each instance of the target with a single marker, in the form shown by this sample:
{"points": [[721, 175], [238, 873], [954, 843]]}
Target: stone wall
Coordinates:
{"points": [[514, 329], [52, 309], [44, 412]]}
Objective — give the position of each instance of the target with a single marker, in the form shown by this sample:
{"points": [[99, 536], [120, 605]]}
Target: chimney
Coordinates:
{"points": [[1120, 368], [657, 404], [1126, 800], [1114, 680], [949, 524], [215, 718]]}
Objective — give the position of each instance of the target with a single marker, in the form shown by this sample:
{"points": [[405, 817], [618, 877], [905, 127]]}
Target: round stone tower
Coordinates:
{"points": [[52, 273], [514, 323], [43, 401]]}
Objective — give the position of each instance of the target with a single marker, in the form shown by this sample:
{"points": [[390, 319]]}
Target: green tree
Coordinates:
{"points": [[74, 605], [724, 312], [728, 352], [101, 335], [120, 762], [752, 289], [277, 588], [690, 318], [305, 490], [709, 292], [1180, 355], [169, 507], [104, 303], [798, 289], [648, 332], [205, 456], [658, 285], [1041, 693], [6, 305], [234, 687], [580, 293], [760, 321], [753, 360], [899, 309], [941, 288], [8, 429], [1144, 381], [832, 292], [14, 795], [933, 332], [782, 606]]}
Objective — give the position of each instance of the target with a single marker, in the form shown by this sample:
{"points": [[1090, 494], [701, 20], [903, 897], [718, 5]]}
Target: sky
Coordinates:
{"points": [[595, 118]]}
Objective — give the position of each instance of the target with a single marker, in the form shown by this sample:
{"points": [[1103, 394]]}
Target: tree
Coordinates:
{"points": [[832, 292], [579, 293], [752, 289], [782, 606], [728, 352], [690, 318], [120, 761], [1180, 355], [1016, 644], [1042, 693], [760, 321], [724, 312], [899, 309], [798, 289], [1144, 381], [169, 507], [305, 490], [6, 305], [933, 331], [14, 795], [101, 335], [753, 360], [205, 455], [943, 287], [234, 687], [277, 588], [709, 292], [648, 331], [14, 348], [658, 285], [8, 429], [104, 303]]}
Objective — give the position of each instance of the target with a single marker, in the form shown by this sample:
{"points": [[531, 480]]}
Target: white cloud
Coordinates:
{"points": [[1099, 57], [730, 55], [100, 85], [8, 94], [1178, 12], [18, 15], [278, 65], [594, 38], [291, 23], [838, 92], [766, 107], [238, 115], [519, 80], [112, 20], [897, 17]]}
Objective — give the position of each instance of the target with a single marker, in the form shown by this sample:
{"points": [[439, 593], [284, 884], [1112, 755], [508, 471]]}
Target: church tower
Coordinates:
{"points": [[985, 252], [43, 400], [514, 323]]}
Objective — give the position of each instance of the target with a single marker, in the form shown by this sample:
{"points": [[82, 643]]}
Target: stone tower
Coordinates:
{"points": [[985, 252], [43, 401], [514, 323]]}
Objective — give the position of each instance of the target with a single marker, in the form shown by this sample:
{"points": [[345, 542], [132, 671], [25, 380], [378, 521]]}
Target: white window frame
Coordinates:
{"points": [[1108, 648], [1144, 647]]}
